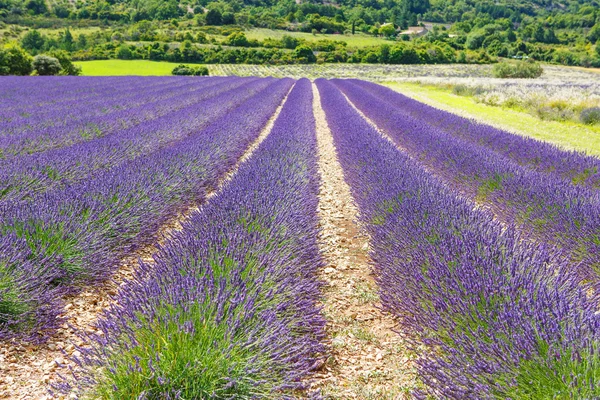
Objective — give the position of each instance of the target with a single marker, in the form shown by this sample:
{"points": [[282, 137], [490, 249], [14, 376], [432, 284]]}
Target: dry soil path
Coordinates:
{"points": [[368, 360]]}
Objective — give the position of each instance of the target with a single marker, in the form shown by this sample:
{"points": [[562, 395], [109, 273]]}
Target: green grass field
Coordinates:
{"points": [[357, 40], [569, 135], [126, 67]]}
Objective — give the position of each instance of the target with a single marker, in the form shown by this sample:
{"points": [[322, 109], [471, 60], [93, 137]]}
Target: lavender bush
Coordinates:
{"points": [[542, 205], [26, 176], [500, 318], [576, 167], [80, 231], [229, 310]]}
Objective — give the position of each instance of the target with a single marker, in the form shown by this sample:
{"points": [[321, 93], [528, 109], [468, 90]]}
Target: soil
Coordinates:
{"points": [[368, 359]]}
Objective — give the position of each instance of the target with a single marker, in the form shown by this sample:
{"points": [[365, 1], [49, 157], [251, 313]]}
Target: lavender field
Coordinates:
{"points": [[189, 238]]}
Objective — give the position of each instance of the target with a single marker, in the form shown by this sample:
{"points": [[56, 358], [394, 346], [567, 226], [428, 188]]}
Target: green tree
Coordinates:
{"points": [[33, 41], [67, 41], [387, 30], [237, 39], [82, 42], [304, 54], [14, 60], [124, 52], [66, 65], [36, 6], [46, 65], [213, 17], [594, 33]]}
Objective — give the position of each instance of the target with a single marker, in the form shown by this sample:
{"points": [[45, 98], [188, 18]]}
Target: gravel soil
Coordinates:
{"points": [[368, 359]]}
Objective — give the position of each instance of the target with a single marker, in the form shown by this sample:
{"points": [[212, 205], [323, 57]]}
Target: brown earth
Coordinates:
{"points": [[368, 360]]}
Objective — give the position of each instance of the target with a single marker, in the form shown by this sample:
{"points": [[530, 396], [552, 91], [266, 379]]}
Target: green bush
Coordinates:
{"points": [[15, 61], [46, 65], [466, 90], [187, 70], [590, 116], [66, 66], [517, 69]]}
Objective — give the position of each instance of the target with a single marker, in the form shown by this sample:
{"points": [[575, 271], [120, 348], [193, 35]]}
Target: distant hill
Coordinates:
{"points": [[556, 31]]}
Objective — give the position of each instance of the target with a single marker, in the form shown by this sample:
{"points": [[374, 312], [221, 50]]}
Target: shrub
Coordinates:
{"points": [[590, 115], [518, 69], [46, 65], [304, 54], [187, 70], [466, 90], [66, 66], [14, 61]]}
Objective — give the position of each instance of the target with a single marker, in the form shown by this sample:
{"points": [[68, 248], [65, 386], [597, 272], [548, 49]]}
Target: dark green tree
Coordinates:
{"points": [[33, 41], [36, 6], [213, 17]]}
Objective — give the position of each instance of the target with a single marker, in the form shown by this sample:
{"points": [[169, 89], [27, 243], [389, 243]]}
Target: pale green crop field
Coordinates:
{"points": [[357, 40], [126, 67]]}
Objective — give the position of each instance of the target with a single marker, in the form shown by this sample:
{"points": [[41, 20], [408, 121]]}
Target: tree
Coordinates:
{"points": [[82, 41], [387, 30], [67, 40], [66, 66], [213, 17], [594, 33], [185, 70], [305, 54], [15, 61], [289, 42], [36, 6], [124, 52], [46, 65], [237, 39], [33, 41], [227, 18]]}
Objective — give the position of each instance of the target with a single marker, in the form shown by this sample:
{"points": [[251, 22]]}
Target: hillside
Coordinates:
{"points": [[374, 31]]}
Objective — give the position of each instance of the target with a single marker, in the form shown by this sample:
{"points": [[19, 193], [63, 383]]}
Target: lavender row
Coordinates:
{"points": [[229, 310], [543, 207], [33, 102], [55, 169], [83, 231], [47, 136], [498, 317], [575, 167]]}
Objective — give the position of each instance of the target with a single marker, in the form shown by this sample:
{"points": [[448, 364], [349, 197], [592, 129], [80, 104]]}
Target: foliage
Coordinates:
{"points": [[15, 61], [492, 314], [188, 70], [66, 65], [305, 54], [563, 32], [517, 69], [46, 65], [590, 116]]}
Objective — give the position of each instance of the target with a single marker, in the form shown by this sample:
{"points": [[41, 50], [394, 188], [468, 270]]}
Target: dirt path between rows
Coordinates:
{"points": [[27, 371], [368, 360]]}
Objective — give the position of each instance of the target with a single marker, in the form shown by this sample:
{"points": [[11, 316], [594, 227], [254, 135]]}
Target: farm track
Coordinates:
{"points": [[368, 360], [28, 371]]}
